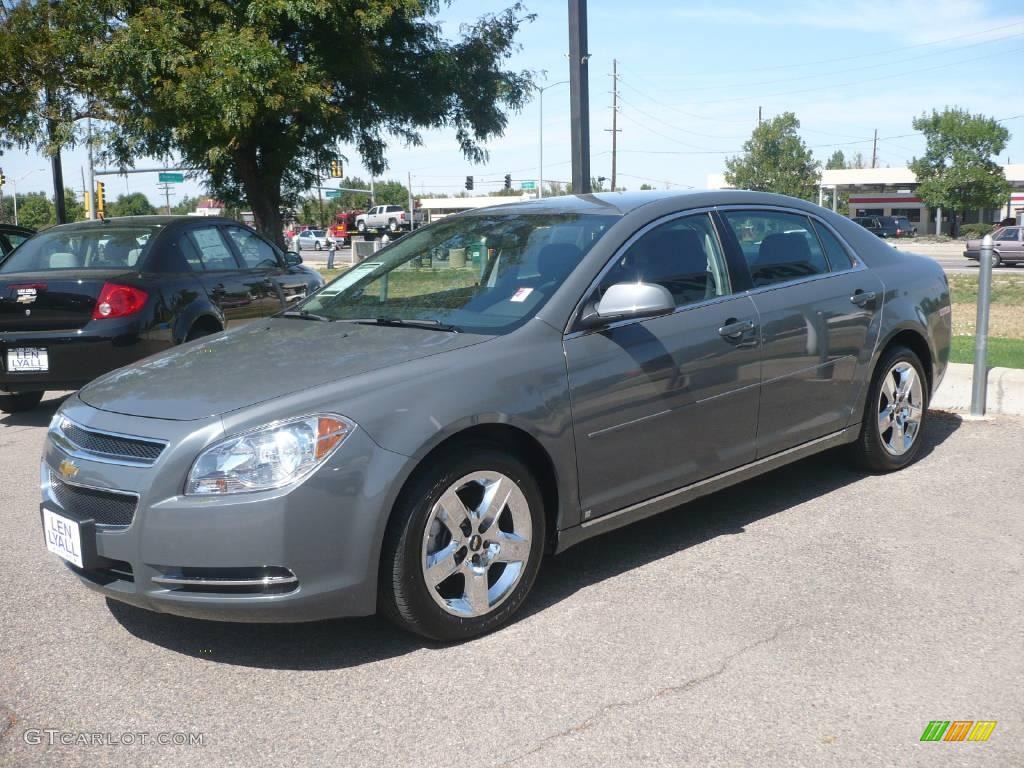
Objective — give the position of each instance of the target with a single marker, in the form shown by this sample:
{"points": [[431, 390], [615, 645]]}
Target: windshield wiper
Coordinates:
{"points": [[304, 315], [401, 322]]}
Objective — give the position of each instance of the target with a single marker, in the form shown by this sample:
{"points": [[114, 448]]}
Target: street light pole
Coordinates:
{"points": [[540, 154], [14, 187]]}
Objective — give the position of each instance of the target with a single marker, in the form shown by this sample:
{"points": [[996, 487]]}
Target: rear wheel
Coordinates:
{"points": [[392, 225], [464, 545], [895, 413], [997, 260], [21, 401], [361, 226], [201, 329]]}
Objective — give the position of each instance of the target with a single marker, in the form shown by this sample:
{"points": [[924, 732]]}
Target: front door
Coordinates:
{"points": [[221, 275], [661, 403], [818, 309]]}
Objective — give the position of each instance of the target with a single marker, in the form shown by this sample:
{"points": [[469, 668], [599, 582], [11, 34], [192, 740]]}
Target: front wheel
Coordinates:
{"points": [[361, 226], [997, 260], [895, 413], [21, 401], [463, 546]]}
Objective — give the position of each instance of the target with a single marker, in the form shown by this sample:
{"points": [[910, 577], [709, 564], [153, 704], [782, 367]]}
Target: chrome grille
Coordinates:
{"points": [[105, 507], [112, 446]]}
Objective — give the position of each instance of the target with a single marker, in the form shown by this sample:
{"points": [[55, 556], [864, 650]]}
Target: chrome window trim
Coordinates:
{"points": [[569, 333], [73, 449]]}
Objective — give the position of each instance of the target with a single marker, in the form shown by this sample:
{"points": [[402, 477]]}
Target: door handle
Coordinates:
{"points": [[733, 328], [860, 298], [218, 289]]}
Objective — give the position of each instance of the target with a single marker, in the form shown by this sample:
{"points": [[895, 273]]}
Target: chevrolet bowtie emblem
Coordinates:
{"points": [[69, 469]]}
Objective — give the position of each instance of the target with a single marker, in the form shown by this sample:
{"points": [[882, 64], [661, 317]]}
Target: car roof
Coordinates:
{"points": [[15, 229], [621, 203], [145, 221]]}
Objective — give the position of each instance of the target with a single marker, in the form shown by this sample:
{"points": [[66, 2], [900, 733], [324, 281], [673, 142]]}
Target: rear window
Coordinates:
{"points": [[95, 247]]}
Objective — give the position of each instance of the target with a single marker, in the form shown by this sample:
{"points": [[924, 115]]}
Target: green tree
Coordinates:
{"points": [[837, 161], [36, 211], [185, 206], [775, 159], [260, 94], [391, 193], [957, 171], [134, 204], [644, 187]]}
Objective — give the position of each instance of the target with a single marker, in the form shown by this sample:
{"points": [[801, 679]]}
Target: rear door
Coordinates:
{"points": [[221, 275], [661, 403], [265, 272], [819, 322]]}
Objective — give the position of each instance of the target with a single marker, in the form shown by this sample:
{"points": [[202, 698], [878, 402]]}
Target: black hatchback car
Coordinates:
{"points": [[79, 300]]}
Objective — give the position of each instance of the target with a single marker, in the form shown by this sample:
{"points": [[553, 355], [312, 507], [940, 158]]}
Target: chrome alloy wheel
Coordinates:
{"points": [[476, 544], [900, 408]]}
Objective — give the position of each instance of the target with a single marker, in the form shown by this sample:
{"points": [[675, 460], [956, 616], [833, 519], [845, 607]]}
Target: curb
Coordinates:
{"points": [[1005, 394]]}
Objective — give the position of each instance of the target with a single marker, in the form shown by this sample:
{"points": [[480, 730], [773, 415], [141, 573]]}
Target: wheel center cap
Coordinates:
{"points": [[475, 542]]}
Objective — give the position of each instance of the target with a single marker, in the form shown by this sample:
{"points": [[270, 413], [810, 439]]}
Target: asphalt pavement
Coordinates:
{"points": [[815, 616]]}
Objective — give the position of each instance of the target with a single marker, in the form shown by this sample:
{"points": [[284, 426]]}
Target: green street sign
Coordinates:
{"points": [[527, 186], [333, 193], [172, 178]]}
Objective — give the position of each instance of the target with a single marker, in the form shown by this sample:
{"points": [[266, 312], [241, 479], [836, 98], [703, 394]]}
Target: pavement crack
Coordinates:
{"points": [[669, 690], [7, 720]]}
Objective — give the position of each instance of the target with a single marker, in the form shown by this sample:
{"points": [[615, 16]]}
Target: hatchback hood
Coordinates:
{"points": [[259, 362]]}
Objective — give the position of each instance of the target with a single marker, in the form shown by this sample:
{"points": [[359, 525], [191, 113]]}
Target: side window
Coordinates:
{"points": [[1010, 233], [180, 256], [777, 246], [683, 255], [838, 257], [256, 252], [213, 251]]}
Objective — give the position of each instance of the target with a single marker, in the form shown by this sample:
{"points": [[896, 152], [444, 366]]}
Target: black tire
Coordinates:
{"points": [[402, 591], [392, 225], [199, 331], [869, 451], [997, 260], [22, 401], [361, 226]]}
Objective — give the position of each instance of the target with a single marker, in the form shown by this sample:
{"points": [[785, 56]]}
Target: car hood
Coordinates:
{"points": [[259, 362]]}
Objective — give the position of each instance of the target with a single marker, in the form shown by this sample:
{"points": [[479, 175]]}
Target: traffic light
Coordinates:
{"points": [[3, 178], [101, 199], [469, 182], [508, 181], [336, 171]]}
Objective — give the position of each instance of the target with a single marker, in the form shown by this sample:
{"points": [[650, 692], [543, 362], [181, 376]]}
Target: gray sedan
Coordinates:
{"points": [[415, 436]]}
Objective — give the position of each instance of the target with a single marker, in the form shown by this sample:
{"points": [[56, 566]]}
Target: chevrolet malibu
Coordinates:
{"points": [[413, 438]]}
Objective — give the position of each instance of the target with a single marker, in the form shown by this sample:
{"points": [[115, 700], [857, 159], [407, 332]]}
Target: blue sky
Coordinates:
{"points": [[693, 76]]}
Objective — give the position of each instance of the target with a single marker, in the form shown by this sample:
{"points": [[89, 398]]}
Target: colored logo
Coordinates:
{"points": [[958, 730], [26, 295], [69, 469]]}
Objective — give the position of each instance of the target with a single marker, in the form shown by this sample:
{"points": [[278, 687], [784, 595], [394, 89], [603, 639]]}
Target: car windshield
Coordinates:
{"points": [[92, 247], [486, 273]]}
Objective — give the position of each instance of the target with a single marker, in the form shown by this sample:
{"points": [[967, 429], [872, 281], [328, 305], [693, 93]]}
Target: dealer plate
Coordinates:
{"points": [[27, 359], [63, 537]]}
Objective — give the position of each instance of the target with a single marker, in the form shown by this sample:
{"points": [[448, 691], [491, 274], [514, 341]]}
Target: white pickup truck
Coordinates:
{"points": [[389, 217]]}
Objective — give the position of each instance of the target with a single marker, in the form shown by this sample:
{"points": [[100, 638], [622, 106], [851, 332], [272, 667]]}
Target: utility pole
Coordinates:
{"points": [[758, 117], [874, 150], [166, 189], [92, 169], [615, 115], [579, 96]]}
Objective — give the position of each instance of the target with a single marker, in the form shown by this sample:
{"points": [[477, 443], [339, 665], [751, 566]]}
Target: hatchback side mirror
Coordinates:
{"points": [[629, 300], [292, 259]]}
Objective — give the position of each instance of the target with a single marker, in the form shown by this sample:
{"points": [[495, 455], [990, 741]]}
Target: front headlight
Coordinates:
{"points": [[273, 456]]}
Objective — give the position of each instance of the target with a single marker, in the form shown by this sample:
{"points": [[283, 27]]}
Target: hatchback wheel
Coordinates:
{"points": [[463, 546], [22, 401], [895, 414]]}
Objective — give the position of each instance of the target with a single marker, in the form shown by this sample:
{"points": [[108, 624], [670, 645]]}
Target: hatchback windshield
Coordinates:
{"points": [[94, 247], [485, 273]]}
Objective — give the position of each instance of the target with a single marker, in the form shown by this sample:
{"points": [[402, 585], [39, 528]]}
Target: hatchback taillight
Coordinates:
{"points": [[118, 301]]}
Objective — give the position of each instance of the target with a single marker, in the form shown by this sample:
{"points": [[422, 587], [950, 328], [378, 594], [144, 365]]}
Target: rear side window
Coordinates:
{"points": [[213, 251], [777, 246], [838, 257]]}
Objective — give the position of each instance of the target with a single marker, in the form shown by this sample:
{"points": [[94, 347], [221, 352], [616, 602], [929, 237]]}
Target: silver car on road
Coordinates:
{"points": [[505, 383]]}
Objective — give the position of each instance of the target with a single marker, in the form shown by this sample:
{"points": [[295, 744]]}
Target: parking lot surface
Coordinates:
{"points": [[813, 617]]}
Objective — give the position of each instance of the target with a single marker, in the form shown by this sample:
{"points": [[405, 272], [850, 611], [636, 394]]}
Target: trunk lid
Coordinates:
{"points": [[53, 300]]}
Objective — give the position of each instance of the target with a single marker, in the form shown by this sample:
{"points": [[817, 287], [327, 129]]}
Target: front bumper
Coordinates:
{"points": [[326, 531]]}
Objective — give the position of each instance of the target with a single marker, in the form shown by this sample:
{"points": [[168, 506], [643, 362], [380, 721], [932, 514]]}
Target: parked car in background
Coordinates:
{"points": [[414, 440], [887, 226], [79, 300], [11, 236], [312, 239], [1007, 247], [390, 217]]}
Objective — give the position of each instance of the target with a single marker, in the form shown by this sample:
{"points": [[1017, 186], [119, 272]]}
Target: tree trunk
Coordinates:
{"points": [[263, 191]]}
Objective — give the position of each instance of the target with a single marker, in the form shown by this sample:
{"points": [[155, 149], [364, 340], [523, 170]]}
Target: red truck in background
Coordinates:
{"points": [[344, 225]]}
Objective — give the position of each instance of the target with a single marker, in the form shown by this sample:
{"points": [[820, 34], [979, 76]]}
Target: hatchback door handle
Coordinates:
{"points": [[860, 298], [734, 328]]}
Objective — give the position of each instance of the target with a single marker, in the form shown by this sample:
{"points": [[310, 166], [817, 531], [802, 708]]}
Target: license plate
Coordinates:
{"points": [[27, 359], [63, 537]]}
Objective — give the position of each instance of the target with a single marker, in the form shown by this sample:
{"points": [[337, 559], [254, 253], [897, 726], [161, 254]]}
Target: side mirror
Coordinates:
{"points": [[630, 300], [292, 259]]}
